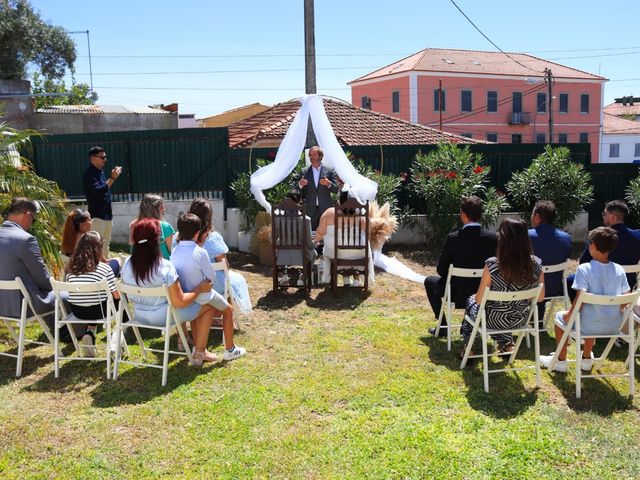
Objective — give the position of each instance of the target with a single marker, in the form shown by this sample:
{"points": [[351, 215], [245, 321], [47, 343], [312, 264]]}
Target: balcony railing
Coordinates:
{"points": [[519, 118]]}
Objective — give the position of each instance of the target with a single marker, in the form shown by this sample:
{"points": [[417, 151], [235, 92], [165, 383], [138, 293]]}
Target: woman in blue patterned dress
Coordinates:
{"points": [[513, 268], [217, 250]]}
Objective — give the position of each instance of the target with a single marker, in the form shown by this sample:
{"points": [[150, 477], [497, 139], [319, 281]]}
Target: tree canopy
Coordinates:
{"points": [[27, 39], [48, 92]]}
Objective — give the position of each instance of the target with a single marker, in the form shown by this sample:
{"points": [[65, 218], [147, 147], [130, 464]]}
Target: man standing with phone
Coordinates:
{"points": [[97, 189], [316, 185]]}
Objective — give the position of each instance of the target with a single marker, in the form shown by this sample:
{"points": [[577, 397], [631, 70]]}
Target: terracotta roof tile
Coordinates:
{"points": [[351, 125], [621, 109], [102, 109], [477, 62], [612, 124]]}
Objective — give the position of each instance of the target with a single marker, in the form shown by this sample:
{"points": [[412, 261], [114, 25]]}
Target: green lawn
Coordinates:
{"points": [[346, 387]]}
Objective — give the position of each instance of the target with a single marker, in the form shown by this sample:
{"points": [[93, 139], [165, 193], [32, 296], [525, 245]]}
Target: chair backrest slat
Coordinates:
{"points": [[559, 267]]}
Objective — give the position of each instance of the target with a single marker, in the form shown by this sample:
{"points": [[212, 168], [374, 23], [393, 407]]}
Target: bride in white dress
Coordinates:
{"points": [[381, 225]]}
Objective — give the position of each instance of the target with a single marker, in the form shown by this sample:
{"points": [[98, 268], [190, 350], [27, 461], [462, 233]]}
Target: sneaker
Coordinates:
{"points": [[356, 283], [346, 282], [560, 366], [587, 363], [300, 282], [88, 345], [236, 352], [620, 343]]}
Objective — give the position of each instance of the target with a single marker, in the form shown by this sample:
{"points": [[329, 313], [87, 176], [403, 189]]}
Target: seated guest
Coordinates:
{"points": [[146, 268], [78, 223], [326, 233], [152, 206], [85, 266], [513, 268], [193, 267], [601, 277], [20, 257], [293, 257], [217, 249], [468, 247], [550, 245], [627, 251]]}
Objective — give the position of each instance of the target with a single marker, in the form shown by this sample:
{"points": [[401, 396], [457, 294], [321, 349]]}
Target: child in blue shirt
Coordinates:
{"points": [[600, 277]]}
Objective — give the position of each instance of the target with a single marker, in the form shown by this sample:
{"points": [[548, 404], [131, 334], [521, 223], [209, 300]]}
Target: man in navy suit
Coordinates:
{"points": [[550, 245], [316, 185], [627, 251], [467, 247]]}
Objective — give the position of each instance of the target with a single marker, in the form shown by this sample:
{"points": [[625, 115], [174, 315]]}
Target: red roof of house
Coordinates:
{"points": [[479, 63], [351, 125], [622, 109], [612, 124]]}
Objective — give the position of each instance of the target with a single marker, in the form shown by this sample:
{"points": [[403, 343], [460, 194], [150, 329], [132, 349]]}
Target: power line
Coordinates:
{"points": [[490, 41]]}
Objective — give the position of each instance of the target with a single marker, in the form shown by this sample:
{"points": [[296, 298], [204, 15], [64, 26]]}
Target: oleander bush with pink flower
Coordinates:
{"points": [[445, 175]]}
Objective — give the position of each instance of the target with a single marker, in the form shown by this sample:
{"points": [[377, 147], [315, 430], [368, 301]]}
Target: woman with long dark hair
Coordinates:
{"points": [[147, 268], [77, 223], [86, 266], [513, 268]]}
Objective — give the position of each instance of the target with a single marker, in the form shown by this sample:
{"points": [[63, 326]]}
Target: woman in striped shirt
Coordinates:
{"points": [[85, 266]]}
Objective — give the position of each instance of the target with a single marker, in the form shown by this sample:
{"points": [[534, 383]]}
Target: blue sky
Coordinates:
{"points": [[212, 56]]}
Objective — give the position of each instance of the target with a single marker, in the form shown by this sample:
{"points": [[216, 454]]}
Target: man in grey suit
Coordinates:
{"points": [[20, 257], [316, 185]]}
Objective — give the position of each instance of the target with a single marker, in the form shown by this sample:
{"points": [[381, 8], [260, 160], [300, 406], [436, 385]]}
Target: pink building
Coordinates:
{"points": [[488, 96]]}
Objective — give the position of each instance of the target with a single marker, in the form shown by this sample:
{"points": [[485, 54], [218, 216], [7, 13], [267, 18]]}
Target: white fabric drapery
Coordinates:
{"points": [[334, 157], [292, 146]]}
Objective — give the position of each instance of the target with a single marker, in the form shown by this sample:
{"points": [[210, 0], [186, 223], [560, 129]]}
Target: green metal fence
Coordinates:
{"points": [[198, 161], [153, 160]]}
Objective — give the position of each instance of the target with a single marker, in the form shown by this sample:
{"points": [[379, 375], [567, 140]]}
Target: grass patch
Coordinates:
{"points": [[346, 387]]}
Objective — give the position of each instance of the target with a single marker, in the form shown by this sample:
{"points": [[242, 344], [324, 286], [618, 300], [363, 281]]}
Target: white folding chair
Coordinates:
{"points": [[27, 315], [223, 265], [62, 318], [530, 327], [576, 335], [446, 298], [635, 268], [563, 299], [171, 322]]}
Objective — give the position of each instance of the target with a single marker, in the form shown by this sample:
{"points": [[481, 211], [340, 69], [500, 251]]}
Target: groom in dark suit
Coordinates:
{"points": [[316, 185], [467, 247]]}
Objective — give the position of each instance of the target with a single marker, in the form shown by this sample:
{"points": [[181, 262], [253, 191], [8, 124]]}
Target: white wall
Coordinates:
{"points": [[125, 212], [627, 148]]}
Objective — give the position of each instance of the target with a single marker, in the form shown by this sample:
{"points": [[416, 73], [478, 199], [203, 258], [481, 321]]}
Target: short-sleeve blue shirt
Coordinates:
{"points": [[600, 279]]}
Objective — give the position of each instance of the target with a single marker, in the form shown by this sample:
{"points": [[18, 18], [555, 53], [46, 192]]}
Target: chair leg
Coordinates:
{"points": [[632, 364], [108, 339], [578, 365], [56, 342], [116, 364], [485, 357], [536, 354], [20, 358], [165, 358]]}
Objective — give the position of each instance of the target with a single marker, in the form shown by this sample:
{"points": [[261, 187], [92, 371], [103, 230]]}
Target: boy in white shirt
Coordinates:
{"points": [[192, 264], [600, 277]]}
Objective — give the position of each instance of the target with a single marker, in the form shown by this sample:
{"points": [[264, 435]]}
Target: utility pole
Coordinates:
{"points": [[309, 47], [309, 61], [89, 51], [440, 101], [549, 79]]}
